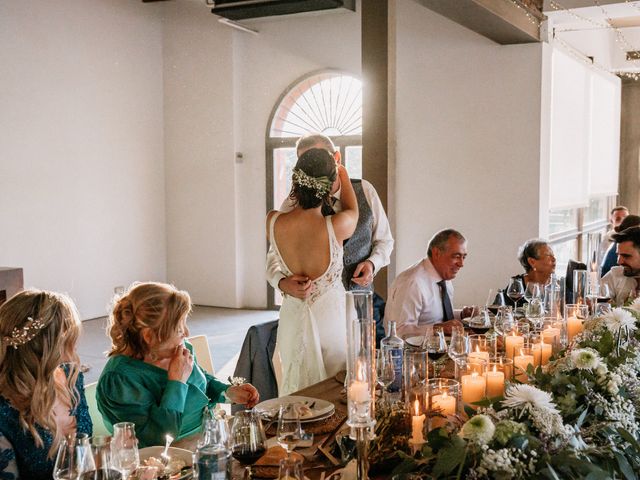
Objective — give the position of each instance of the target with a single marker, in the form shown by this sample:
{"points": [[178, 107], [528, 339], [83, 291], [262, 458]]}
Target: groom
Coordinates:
{"points": [[365, 253]]}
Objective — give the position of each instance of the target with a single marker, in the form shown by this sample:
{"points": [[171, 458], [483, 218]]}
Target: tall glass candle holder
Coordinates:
{"points": [[516, 338], [580, 283], [575, 315], [361, 373], [443, 400], [416, 374], [473, 380]]}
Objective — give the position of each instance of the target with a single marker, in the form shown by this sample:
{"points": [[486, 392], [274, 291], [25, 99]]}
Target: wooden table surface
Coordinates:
{"points": [[329, 389]]}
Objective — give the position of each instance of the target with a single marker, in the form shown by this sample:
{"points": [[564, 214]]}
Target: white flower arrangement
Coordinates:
{"points": [[585, 358], [618, 320], [528, 397], [478, 429]]}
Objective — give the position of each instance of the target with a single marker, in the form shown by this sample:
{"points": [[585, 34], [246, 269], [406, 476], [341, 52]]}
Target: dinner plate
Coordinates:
{"points": [[321, 408], [175, 453], [416, 342]]}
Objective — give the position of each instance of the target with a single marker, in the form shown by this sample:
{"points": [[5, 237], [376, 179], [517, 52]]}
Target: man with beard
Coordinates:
{"points": [[624, 280]]}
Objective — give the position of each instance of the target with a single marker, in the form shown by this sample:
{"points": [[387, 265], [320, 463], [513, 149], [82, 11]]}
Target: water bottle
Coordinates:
{"points": [[395, 346], [212, 458]]}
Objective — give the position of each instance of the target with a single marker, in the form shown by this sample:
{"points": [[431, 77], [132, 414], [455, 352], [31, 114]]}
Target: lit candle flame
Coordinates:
{"points": [[416, 407]]}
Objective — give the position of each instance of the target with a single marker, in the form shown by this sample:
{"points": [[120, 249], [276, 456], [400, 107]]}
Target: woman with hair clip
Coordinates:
{"points": [[151, 378], [312, 337], [42, 391]]}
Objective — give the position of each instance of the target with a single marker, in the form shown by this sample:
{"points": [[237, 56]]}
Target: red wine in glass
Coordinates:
{"points": [[245, 455]]}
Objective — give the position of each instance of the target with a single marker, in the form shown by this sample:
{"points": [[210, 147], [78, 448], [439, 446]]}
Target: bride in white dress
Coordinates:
{"points": [[312, 337]]}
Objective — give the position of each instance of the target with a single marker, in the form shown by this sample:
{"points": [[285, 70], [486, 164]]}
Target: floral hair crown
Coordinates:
{"points": [[322, 185], [20, 336]]}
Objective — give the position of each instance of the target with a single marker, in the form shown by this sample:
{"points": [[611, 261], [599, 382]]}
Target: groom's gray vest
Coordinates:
{"points": [[358, 247]]}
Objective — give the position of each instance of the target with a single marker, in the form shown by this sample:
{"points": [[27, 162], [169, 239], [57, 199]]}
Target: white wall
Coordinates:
{"points": [[468, 146], [220, 88], [199, 139], [286, 49], [81, 146]]}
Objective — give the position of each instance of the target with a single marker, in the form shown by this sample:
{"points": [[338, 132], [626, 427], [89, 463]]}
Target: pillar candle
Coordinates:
{"points": [[541, 353], [495, 383], [445, 403], [521, 362], [551, 335], [512, 343], [417, 424], [574, 326], [479, 354], [359, 392], [473, 387]]}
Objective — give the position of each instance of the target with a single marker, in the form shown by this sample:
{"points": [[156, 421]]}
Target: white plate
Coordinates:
{"points": [[321, 409], [415, 341], [175, 453]]}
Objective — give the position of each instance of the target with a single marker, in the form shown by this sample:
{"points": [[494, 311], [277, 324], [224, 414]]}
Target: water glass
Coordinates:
{"points": [[124, 448], [290, 469], [289, 431], [385, 371], [71, 456]]}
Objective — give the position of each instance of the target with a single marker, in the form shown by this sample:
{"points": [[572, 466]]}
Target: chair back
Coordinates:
{"points": [[99, 428], [202, 353]]}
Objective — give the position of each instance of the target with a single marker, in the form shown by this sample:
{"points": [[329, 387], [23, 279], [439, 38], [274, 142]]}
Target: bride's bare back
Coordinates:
{"points": [[303, 241]]}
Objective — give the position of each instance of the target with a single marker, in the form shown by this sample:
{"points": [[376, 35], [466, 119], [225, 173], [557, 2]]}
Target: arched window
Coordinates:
{"points": [[328, 102]]}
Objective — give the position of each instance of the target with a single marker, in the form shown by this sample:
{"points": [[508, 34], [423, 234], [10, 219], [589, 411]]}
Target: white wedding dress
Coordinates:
{"points": [[312, 333]]}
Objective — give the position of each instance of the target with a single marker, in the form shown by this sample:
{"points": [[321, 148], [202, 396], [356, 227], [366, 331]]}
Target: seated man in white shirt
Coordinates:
{"points": [[624, 279], [423, 294]]}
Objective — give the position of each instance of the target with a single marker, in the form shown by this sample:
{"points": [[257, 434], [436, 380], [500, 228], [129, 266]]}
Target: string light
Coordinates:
{"points": [[621, 41], [532, 18]]}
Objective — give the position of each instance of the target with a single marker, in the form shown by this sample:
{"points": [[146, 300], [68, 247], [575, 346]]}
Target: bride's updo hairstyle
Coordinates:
{"points": [[313, 177], [159, 307]]}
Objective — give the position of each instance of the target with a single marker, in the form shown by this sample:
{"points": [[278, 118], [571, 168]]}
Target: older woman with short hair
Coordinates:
{"points": [[539, 262]]}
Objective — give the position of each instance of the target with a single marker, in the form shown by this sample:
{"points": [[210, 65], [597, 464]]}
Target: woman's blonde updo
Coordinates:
{"points": [[30, 355], [159, 307]]}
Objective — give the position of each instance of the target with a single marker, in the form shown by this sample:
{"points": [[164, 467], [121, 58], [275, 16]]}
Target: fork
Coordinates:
{"points": [[165, 454]]}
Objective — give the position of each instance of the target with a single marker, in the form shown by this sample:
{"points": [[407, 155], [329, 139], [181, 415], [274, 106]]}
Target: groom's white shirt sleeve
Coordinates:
{"points": [[274, 272]]}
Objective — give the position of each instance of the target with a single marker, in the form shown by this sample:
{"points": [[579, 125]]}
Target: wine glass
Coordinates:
{"points": [[124, 448], [71, 456], [515, 291], [289, 430], [436, 346], [532, 291], [534, 312], [495, 300], [247, 437], [98, 463], [385, 371], [458, 346]]}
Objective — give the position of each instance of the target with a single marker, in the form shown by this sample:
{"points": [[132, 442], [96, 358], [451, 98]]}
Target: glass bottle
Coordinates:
{"points": [[212, 458], [394, 345]]}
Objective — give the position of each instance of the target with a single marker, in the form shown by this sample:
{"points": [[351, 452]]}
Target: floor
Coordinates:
{"points": [[224, 327]]}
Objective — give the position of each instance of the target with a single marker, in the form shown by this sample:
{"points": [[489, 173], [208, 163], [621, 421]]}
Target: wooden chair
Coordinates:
{"points": [[99, 428], [202, 353]]}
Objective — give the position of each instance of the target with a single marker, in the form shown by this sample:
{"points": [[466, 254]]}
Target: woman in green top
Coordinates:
{"points": [[151, 378]]}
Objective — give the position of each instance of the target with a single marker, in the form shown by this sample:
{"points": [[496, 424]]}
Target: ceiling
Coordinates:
{"points": [[602, 29]]}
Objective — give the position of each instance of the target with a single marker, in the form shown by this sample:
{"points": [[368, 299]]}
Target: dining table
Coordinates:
{"points": [[316, 463]]}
